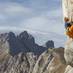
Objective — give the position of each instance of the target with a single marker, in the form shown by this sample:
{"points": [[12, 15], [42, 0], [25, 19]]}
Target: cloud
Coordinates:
{"points": [[42, 18], [15, 9], [12, 14], [2, 17], [35, 22], [48, 21], [39, 15]]}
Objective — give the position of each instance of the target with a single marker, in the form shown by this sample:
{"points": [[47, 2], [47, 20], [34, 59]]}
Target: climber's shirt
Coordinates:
{"points": [[70, 31]]}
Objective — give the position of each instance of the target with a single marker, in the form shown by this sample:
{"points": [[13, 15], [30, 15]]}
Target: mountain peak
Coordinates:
{"points": [[24, 42]]}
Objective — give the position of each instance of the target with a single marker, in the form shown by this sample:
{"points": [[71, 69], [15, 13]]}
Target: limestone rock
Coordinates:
{"points": [[69, 69], [51, 61], [20, 54], [68, 52], [50, 44]]}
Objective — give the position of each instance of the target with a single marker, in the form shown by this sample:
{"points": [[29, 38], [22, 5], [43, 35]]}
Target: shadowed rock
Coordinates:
{"points": [[49, 44], [23, 42]]}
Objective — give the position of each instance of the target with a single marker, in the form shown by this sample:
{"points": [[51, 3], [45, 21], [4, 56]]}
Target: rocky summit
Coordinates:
{"points": [[50, 61], [23, 42], [20, 54]]}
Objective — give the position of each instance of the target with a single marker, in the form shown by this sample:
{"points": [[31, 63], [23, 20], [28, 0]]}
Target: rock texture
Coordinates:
{"points": [[69, 69], [51, 61], [23, 42], [21, 63], [48, 62], [50, 44], [20, 54], [68, 52]]}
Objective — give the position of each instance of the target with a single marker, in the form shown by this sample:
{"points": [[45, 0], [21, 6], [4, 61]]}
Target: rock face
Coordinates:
{"points": [[48, 62], [51, 61], [28, 42], [23, 42], [14, 44], [20, 54], [68, 52], [49, 44], [21, 63], [69, 69]]}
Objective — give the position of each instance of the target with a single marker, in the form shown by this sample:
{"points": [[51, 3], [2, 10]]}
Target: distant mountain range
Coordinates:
{"points": [[23, 42]]}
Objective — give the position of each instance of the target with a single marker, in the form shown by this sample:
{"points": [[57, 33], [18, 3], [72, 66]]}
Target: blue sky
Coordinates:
{"points": [[33, 15]]}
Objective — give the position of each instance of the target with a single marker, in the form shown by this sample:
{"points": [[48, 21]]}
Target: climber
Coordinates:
{"points": [[68, 27], [68, 19], [68, 51]]}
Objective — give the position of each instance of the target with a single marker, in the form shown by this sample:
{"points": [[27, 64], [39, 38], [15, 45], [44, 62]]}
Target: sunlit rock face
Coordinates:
{"points": [[50, 61], [68, 52], [69, 69]]}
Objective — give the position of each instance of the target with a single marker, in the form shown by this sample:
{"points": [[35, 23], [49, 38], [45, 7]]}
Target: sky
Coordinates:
{"points": [[34, 15]]}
